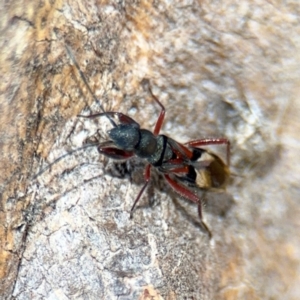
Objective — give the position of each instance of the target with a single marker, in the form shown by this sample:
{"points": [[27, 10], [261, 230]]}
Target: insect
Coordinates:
{"points": [[184, 166]]}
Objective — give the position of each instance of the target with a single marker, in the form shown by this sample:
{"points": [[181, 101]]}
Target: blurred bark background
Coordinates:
{"points": [[221, 68]]}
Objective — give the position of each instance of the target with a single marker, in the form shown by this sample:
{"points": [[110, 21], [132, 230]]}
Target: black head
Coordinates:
{"points": [[126, 137]]}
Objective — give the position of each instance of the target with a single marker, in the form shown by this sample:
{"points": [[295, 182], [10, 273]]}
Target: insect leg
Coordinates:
{"points": [[202, 223], [180, 150], [147, 179], [161, 116], [186, 193], [212, 141]]}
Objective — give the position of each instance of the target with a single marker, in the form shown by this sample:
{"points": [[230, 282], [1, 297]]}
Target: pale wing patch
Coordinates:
{"points": [[203, 179]]}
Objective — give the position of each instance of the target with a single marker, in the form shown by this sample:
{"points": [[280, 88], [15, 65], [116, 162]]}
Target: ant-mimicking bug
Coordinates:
{"points": [[182, 165]]}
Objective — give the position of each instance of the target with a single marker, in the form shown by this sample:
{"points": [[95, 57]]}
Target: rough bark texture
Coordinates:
{"points": [[221, 69]]}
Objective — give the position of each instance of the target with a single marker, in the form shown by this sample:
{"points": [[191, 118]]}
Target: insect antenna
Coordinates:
{"points": [[61, 157], [95, 99], [88, 86]]}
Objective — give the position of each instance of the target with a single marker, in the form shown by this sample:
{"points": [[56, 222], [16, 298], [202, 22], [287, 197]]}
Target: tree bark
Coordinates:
{"points": [[220, 69]]}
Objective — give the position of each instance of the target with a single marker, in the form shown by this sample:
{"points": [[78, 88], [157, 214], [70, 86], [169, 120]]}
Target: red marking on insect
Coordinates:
{"points": [[182, 165]]}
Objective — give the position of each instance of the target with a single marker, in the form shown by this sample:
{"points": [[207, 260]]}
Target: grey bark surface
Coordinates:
{"points": [[220, 69]]}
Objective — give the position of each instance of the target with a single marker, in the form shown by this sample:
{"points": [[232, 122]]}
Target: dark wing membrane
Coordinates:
{"points": [[195, 167], [205, 170], [211, 171]]}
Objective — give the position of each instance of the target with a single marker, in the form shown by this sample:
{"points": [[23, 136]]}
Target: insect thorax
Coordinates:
{"points": [[159, 153]]}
